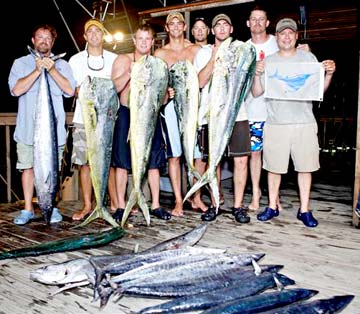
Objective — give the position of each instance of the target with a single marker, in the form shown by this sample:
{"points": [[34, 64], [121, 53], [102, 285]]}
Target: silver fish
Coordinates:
{"points": [[229, 84], [184, 80], [99, 103], [262, 302], [46, 164], [322, 306], [205, 300], [149, 80]]}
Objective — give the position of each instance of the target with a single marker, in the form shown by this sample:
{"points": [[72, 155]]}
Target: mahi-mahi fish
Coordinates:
{"points": [[229, 84], [148, 84], [46, 164], [184, 80], [99, 103]]}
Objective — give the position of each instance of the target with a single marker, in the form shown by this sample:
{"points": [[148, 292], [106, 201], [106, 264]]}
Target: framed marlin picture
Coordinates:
{"points": [[294, 81]]}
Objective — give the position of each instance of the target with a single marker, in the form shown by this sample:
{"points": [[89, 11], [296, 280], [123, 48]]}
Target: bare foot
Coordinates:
{"points": [[178, 210], [80, 215], [198, 204], [255, 201]]}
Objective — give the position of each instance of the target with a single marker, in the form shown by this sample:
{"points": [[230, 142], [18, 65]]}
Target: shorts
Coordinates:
{"points": [[78, 156], [25, 156], [256, 135], [239, 144], [170, 125], [121, 155], [300, 141]]}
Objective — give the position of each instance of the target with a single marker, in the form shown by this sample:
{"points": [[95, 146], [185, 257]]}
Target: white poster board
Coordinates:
{"points": [[294, 81]]}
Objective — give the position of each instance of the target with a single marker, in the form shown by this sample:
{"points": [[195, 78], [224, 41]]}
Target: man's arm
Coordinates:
{"points": [[206, 72], [257, 88], [330, 67], [121, 72]]}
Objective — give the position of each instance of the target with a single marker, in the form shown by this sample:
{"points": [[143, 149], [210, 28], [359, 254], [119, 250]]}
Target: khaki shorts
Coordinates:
{"points": [[300, 142], [25, 156], [78, 156]]}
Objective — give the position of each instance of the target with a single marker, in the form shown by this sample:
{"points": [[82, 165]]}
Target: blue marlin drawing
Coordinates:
{"points": [[295, 82]]}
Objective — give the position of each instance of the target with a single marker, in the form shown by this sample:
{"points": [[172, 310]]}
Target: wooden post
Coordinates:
{"points": [[356, 221]]}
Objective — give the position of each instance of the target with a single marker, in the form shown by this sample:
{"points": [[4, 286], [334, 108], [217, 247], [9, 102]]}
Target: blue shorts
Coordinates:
{"points": [[121, 156], [171, 129], [256, 135]]}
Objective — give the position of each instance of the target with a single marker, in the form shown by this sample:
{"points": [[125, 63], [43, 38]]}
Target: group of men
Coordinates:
{"points": [[256, 116]]}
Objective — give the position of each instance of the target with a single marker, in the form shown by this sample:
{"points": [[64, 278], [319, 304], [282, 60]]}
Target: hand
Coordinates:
{"points": [[48, 64], [329, 66], [259, 68], [304, 47]]}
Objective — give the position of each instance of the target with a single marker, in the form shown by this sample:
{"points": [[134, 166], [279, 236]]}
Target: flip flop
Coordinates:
{"points": [[160, 213]]}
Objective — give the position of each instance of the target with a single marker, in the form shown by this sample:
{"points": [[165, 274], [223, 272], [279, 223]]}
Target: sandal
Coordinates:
{"points": [[118, 214], [55, 216], [160, 213], [24, 217]]}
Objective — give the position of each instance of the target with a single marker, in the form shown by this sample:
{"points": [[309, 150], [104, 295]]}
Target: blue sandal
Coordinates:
{"points": [[24, 217], [161, 213]]}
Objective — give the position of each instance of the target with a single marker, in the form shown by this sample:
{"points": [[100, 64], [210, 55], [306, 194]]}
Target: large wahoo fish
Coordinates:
{"points": [[149, 80], [46, 164], [229, 84], [99, 103], [184, 79]]}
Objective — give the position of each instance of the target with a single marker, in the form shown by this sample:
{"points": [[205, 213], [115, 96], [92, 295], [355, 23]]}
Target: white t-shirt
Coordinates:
{"points": [[256, 107], [81, 65]]}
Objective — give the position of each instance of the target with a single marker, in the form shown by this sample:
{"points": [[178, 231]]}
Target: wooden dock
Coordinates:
{"points": [[325, 258]]}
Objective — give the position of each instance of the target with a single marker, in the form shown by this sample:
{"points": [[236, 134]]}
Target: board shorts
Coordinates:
{"points": [[121, 155], [256, 135]]}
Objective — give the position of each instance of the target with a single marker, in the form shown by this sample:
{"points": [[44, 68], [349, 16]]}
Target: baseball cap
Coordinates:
{"points": [[173, 15], [94, 22], [284, 24], [219, 17], [200, 18]]}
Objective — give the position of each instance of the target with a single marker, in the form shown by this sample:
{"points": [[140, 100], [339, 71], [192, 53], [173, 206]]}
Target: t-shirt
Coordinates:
{"points": [[84, 65], [256, 107], [282, 111]]}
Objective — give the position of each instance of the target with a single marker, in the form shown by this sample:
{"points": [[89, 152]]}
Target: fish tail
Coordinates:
{"points": [[99, 212], [129, 205], [144, 207], [214, 186], [205, 179]]}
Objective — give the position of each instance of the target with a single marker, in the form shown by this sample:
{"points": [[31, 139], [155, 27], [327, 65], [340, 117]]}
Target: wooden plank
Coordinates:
{"points": [[192, 6], [8, 163]]}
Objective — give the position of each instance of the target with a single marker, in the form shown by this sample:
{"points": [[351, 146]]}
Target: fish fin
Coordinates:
{"points": [[68, 286], [205, 179], [279, 285], [257, 268], [144, 207], [214, 186], [129, 205], [99, 212]]}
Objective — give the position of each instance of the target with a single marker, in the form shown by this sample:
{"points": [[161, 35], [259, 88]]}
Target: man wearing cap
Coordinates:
{"points": [[177, 49], [290, 128], [265, 45], [94, 61], [239, 145], [200, 31]]}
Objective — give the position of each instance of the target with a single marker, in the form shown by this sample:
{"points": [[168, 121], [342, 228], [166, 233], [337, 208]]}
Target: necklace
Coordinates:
{"points": [[97, 67]]}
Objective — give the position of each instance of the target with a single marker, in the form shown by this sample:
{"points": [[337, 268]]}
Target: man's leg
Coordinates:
{"points": [[112, 189], [196, 202], [255, 173], [304, 182], [175, 178], [274, 180], [27, 181], [121, 184], [154, 185], [86, 190], [240, 177]]}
